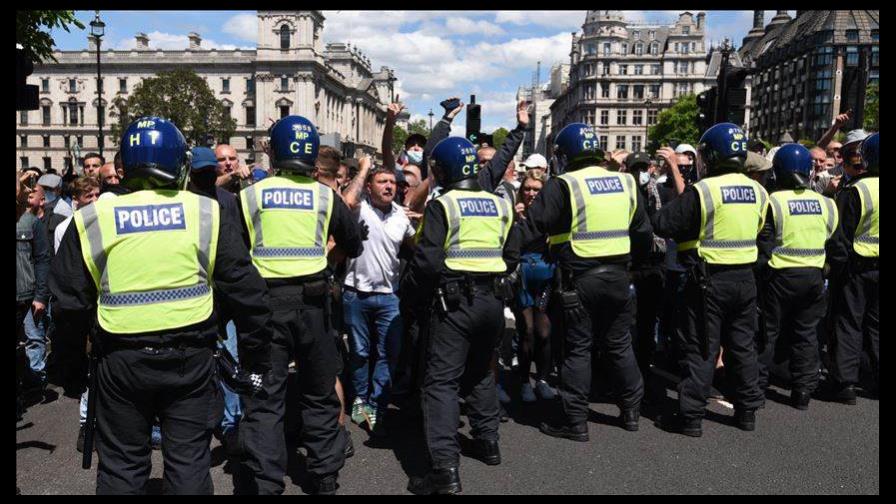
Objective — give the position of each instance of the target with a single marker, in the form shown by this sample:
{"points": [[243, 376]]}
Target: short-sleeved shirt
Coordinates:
{"points": [[378, 267]]}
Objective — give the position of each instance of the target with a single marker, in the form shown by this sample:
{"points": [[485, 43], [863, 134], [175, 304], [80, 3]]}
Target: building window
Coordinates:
{"points": [[225, 85], [250, 116], [46, 115], [589, 117], [655, 70], [46, 140], [654, 91], [605, 90], [589, 69], [23, 140], [589, 92], [686, 30], [651, 117], [852, 35], [636, 35], [72, 86], [636, 143], [604, 117], [622, 91], [639, 49], [624, 49], [24, 161], [875, 56], [284, 111], [603, 142], [639, 91], [639, 69], [250, 143], [23, 118], [637, 117], [590, 49], [620, 142], [73, 114], [623, 69], [693, 47], [284, 83], [48, 164], [250, 85], [284, 37], [651, 35], [875, 35], [605, 69], [677, 47], [67, 139], [80, 141], [45, 85], [684, 48], [227, 112], [606, 48], [852, 56], [123, 86], [622, 117]]}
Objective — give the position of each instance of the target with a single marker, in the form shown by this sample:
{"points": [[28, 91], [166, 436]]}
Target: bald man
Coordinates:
{"points": [[109, 175], [229, 170]]}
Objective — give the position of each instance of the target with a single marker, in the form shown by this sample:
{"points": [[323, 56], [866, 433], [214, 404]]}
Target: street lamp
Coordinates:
{"points": [[98, 29], [647, 104], [430, 121]]}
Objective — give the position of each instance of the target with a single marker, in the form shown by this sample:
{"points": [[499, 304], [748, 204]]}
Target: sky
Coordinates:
{"points": [[435, 54]]}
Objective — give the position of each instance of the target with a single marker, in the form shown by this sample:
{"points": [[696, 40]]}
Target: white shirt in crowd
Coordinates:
{"points": [[377, 268]]}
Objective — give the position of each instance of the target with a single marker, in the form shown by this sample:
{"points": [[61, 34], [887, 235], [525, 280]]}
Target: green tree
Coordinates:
{"points": [[37, 42], [677, 122], [180, 96], [498, 137], [872, 96], [399, 135]]}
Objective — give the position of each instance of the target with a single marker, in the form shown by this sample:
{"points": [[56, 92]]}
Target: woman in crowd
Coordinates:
{"points": [[532, 301]]}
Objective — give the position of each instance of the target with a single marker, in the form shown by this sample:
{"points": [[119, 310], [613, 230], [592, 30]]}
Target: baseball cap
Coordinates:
{"points": [[49, 180], [203, 157], [637, 158], [535, 161], [756, 163], [682, 148], [415, 139], [856, 135]]}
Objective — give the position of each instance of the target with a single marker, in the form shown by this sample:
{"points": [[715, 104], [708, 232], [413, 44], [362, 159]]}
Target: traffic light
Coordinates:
{"points": [[474, 120], [736, 96], [26, 94], [706, 104]]}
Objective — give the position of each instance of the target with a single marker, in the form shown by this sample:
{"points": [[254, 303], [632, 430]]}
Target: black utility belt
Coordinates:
{"points": [[289, 296], [111, 345], [454, 291], [862, 264]]}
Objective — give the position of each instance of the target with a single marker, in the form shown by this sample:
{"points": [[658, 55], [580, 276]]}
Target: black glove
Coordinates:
{"points": [[573, 309], [239, 380], [365, 230]]}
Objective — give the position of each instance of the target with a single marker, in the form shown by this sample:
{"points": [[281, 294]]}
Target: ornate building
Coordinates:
{"points": [[290, 72], [622, 75]]}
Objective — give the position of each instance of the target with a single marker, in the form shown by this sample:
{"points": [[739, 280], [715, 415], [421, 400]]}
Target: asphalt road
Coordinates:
{"points": [[830, 449]]}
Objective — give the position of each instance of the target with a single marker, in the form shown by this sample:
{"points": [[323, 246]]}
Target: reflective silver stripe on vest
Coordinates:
{"points": [[797, 252], [727, 243], [600, 235], [288, 251], [95, 238], [505, 218], [457, 253], [206, 221], [323, 202], [709, 209], [829, 204], [870, 240], [864, 228], [779, 223], [255, 212], [632, 196], [581, 215], [453, 224], [151, 297], [762, 198]]}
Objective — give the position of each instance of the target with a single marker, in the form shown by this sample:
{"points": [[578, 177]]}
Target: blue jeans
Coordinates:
{"points": [[232, 408], [360, 312], [36, 346]]}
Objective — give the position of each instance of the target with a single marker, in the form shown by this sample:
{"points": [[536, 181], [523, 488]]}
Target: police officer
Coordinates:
{"points": [[596, 221], [466, 245], [287, 220], [855, 270], [798, 223], [145, 263], [721, 217]]}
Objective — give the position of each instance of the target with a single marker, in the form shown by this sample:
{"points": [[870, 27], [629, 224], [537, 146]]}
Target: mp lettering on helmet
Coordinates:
{"points": [[477, 207], [804, 207], [146, 124], [145, 218], [604, 185], [471, 167], [292, 199], [738, 194]]}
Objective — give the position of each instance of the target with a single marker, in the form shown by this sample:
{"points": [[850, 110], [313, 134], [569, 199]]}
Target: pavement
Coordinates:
{"points": [[829, 449]]}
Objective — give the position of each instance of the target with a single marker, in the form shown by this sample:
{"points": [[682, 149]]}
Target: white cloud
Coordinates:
{"points": [[243, 27], [172, 41], [522, 53], [569, 20], [465, 26]]}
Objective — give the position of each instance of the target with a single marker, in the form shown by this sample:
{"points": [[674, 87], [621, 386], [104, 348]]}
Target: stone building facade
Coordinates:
{"points": [[289, 72]]}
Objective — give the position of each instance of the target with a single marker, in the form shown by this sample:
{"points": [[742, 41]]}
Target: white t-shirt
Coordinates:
{"points": [[377, 268]]}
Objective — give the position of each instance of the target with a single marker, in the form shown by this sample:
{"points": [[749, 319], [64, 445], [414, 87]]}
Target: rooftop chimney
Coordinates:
{"points": [[701, 16], [757, 31], [142, 42], [758, 19], [195, 41]]}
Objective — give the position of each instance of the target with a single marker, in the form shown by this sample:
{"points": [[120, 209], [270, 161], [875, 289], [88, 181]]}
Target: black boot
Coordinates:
{"points": [[323, 485], [799, 399], [487, 451], [630, 418], [745, 419], [845, 394], [691, 427], [575, 433], [437, 481]]}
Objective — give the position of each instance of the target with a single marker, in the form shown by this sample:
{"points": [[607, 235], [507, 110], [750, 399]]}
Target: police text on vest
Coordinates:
{"points": [[603, 185], [804, 207], [144, 218], [477, 207], [738, 194], [295, 199]]}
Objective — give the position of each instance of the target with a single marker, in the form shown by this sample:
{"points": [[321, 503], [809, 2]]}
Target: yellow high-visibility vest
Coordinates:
{"points": [[478, 226], [866, 242], [804, 220], [732, 212]]}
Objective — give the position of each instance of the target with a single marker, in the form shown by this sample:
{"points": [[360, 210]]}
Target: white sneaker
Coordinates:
{"points": [[527, 393], [515, 363]]}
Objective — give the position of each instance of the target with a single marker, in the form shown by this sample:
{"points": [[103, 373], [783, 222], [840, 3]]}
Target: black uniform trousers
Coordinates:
{"points": [[299, 333], [856, 320], [793, 305], [459, 352], [134, 386], [649, 288], [607, 323], [727, 317]]}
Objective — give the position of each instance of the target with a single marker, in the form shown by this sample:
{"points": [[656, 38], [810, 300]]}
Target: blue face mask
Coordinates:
{"points": [[415, 157], [644, 177], [50, 197]]}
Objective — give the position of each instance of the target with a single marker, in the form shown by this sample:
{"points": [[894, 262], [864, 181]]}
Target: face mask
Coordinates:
{"points": [[415, 157], [50, 197], [644, 177], [661, 180]]}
